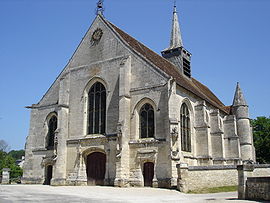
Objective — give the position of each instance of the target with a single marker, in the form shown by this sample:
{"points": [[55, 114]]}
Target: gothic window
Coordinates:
{"points": [[185, 129], [147, 121], [97, 109], [52, 126]]}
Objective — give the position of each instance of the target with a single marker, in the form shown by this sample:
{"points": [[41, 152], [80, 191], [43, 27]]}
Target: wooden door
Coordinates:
{"points": [[48, 177], [95, 169], [148, 173]]}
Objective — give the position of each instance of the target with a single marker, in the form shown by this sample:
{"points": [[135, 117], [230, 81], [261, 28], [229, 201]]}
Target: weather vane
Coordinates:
{"points": [[100, 8]]}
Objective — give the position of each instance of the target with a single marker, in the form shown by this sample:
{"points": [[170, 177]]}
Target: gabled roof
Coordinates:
{"points": [[191, 85]]}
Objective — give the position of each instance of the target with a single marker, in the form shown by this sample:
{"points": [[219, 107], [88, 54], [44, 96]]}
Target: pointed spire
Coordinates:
{"points": [[176, 38], [239, 99]]}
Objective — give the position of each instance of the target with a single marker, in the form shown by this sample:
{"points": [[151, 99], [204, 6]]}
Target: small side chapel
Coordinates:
{"points": [[120, 114]]}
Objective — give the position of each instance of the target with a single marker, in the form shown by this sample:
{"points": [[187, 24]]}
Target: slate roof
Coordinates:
{"points": [[191, 85]]}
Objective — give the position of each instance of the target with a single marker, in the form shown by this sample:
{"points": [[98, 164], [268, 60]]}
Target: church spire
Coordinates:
{"points": [[176, 53], [176, 38], [239, 99]]}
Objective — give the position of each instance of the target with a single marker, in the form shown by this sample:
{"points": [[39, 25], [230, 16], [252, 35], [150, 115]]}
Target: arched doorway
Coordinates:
{"points": [[48, 174], [95, 168], [148, 174]]}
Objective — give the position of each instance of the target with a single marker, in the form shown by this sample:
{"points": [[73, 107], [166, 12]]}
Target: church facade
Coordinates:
{"points": [[120, 114]]}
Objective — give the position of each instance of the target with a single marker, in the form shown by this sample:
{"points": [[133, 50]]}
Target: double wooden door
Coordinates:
{"points": [[95, 168]]}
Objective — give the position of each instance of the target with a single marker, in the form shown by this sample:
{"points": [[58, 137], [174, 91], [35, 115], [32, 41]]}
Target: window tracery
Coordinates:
{"points": [[185, 128], [147, 121], [52, 126], [97, 109]]}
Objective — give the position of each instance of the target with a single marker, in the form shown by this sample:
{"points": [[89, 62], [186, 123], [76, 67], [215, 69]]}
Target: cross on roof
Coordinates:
{"points": [[100, 8]]}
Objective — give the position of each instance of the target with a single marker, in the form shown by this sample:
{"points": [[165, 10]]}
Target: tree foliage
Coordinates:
{"points": [[16, 154], [8, 160], [261, 136]]}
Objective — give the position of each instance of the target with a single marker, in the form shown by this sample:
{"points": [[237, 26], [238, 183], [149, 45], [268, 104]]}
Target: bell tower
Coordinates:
{"points": [[176, 53]]}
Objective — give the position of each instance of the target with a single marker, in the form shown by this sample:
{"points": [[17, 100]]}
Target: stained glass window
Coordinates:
{"points": [[97, 109], [147, 121], [52, 126], [185, 128]]}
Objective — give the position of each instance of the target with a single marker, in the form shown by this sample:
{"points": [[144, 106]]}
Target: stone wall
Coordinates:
{"points": [[258, 188], [198, 177], [254, 182], [261, 170]]}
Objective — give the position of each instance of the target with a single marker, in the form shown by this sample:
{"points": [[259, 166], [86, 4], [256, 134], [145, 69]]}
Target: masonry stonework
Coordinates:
{"points": [[153, 117], [254, 182], [5, 176], [192, 178]]}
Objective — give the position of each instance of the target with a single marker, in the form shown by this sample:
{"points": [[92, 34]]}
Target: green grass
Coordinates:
{"points": [[214, 190]]}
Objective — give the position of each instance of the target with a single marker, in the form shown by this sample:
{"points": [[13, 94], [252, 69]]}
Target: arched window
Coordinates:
{"points": [[147, 121], [52, 126], [97, 109], [185, 129]]}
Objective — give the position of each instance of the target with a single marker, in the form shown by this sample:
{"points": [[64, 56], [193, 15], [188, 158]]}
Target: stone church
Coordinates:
{"points": [[120, 114]]}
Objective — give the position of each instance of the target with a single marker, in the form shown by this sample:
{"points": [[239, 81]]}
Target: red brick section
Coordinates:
{"points": [[192, 85]]}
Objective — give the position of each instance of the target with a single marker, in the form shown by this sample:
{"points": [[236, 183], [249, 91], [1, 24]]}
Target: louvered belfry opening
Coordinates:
{"points": [[186, 67]]}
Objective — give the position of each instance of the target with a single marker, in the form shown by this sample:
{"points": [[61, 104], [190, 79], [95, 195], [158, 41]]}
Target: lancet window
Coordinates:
{"points": [[97, 109], [147, 121], [52, 126], [185, 128]]}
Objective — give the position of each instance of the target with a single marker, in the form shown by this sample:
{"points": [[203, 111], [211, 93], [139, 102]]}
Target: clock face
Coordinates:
{"points": [[96, 36]]}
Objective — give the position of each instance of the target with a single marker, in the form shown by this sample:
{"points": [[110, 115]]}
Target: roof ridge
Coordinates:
{"points": [[143, 45], [170, 69], [204, 86]]}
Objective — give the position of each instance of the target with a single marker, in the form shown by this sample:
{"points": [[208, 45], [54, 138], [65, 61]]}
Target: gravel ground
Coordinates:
{"points": [[43, 193]]}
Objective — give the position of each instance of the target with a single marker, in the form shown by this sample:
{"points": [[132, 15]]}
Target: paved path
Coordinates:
{"points": [[42, 193]]}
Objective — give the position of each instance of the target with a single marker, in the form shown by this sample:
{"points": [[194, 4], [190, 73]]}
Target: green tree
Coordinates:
{"points": [[16, 154], [261, 136], [2, 160], [7, 161]]}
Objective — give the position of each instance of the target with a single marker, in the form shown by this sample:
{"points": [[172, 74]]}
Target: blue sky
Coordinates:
{"points": [[229, 40]]}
